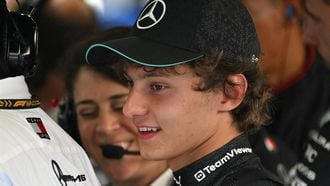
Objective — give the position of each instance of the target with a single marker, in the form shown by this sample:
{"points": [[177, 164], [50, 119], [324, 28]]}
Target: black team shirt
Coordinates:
{"points": [[232, 164]]}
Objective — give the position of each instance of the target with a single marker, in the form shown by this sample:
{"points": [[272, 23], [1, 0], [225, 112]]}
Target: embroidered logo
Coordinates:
{"points": [[19, 103], [38, 127], [64, 178], [151, 14]]}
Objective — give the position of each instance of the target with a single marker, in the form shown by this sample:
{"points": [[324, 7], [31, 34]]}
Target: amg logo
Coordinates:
{"points": [[63, 179], [79, 178]]}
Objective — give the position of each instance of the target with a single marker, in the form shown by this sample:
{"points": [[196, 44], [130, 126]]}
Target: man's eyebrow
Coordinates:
{"points": [[146, 74], [156, 73]]}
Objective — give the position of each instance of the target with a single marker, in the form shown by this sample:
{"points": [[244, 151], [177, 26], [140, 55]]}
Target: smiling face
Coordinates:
{"points": [[176, 122], [99, 102]]}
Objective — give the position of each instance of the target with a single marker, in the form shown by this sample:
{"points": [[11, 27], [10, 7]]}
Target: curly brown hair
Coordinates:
{"points": [[253, 112], [214, 70]]}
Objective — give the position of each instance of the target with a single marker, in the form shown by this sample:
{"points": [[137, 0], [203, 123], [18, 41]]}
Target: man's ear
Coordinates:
{"points": [[234, 90]]}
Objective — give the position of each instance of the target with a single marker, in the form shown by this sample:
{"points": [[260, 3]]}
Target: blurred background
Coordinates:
{"points": [[61, 25], [112, 13]]}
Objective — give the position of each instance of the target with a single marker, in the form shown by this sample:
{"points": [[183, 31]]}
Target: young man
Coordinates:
{"points": [[196, 89], [34, 150]]}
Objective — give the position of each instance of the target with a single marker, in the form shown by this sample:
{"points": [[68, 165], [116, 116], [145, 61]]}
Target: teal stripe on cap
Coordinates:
{"points": [[134, 60]]}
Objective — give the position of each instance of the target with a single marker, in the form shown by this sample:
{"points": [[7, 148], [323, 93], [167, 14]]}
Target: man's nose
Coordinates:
{"points": [[135, 105]]}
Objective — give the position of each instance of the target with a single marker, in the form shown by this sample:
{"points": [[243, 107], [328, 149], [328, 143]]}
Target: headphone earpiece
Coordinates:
{"points": [[67, 118], [3, 40], [22, 44]]}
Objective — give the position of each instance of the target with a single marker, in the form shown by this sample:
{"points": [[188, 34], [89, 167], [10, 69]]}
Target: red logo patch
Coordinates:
{"points": [[38, 127]]}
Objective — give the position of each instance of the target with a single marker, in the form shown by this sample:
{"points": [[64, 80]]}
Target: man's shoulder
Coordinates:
{"points": [[31, 130]]}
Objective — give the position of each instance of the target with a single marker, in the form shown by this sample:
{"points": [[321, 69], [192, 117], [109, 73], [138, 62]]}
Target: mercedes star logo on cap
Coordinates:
{"points": [[151, 14]]}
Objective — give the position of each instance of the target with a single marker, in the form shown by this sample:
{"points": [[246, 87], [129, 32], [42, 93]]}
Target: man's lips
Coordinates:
{"points": [[146, 133], [148, 129]]}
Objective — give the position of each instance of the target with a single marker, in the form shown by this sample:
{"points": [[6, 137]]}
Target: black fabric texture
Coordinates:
{"points": [[299, 108], [187, 30], [232, 171]]}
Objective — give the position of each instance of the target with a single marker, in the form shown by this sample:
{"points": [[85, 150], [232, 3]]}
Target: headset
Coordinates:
{"points": [[19, 43], [67, 118]]}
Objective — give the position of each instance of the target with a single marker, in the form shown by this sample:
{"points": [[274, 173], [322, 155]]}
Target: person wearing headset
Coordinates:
{"points": [[94, 116], [34, 150], [196, 89]]}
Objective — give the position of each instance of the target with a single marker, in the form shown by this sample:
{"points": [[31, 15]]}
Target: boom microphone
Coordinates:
{"points": [[116, 152]]}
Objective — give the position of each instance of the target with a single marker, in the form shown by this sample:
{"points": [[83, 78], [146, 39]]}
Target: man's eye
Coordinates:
{"points": [[157, 87]]}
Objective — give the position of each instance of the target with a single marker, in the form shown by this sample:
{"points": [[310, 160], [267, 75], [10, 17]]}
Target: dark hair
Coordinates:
{"points": [[214, 70], [326, 2], [253, 112], [74, 60], [69, 67]]}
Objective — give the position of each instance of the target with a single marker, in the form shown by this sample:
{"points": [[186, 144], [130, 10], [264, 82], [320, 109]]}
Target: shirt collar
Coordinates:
{"points": [[14, 88]]}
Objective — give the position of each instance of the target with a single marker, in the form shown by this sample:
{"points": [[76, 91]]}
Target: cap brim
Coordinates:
{"points": [[139, 50]]}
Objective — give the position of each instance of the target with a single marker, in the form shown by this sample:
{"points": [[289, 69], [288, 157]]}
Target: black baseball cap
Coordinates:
{"points": [[171, 32]]}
